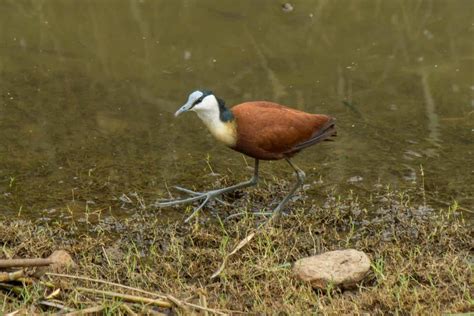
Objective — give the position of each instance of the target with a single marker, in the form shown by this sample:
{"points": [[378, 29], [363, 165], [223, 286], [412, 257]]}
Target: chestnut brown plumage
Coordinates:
{"points": [[270, 131], [261, 130]]}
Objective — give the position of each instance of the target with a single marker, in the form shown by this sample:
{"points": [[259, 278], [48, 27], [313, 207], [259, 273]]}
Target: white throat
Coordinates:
{"points": [[224, 131]]}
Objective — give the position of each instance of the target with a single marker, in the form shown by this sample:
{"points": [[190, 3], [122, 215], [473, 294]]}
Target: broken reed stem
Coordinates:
{"points": [[56, 305], [11, 276], [151, 312], [128, 310], [245, 241], [86, 311], [207, 309], [183, 305], [167, 297], [178, 303], [105, 282], [127, 297], [36, 262], [203, 302]]}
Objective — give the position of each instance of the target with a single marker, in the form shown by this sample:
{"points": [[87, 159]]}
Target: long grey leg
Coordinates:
{"points": [[300, 176], [207, 196]]}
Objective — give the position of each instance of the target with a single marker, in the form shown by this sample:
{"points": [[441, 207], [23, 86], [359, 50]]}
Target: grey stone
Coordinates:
{"points": [[340, 267]]}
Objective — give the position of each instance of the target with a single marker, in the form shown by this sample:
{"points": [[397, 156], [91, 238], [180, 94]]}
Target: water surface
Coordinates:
{"points": [[88, 90]]}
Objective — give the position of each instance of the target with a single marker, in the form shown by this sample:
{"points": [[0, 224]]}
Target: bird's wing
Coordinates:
{"points": [[276, 128], [282, 136]]}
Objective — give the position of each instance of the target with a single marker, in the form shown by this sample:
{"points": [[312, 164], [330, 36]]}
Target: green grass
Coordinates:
{"points": [[420, 258]]}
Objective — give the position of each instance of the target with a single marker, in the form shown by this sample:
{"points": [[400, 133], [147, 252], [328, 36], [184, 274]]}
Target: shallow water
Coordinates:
{"points": [[88, 90]]}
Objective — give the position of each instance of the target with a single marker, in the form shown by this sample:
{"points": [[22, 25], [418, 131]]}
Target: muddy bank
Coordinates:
{"points": [[421, 258]]}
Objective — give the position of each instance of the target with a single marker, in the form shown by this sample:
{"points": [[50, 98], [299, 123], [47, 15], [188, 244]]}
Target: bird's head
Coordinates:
{"points": [[200, 101], [213, 112]]}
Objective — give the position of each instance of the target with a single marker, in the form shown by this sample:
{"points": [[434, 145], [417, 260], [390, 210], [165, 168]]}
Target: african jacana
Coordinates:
{"points": [[259, 129]]}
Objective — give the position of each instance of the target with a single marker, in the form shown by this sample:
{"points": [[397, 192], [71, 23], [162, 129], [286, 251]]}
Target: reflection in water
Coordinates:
{"points": [[88, 89], [279, 90], [433, 121]]}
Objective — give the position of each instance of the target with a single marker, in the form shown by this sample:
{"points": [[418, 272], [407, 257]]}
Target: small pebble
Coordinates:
{"points": [[287, 7]]}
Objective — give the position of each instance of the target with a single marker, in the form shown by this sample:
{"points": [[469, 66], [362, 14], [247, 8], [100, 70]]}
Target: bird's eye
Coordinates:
{"points": [[197, 101]]}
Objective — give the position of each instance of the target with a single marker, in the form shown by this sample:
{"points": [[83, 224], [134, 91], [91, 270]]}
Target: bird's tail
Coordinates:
{"points": [[325, 133]]}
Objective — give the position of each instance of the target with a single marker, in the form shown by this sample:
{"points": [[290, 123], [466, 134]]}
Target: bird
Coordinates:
{"points": [[262, 130]]}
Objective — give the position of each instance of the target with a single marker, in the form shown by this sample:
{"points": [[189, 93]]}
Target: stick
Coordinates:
{"points": [[127, 297], [36, 262], [56, 305], [128, 310], [90, 310], [178, 303], [203, 301], [105, 282], [245, 241], [203, 308], [207, 309], [53, 294], [11, 276], [242, 243], [137, 290], [150, 311]]}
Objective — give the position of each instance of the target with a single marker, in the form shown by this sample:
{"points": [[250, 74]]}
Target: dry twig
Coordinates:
{"points": [[35, 262], [56, 305], [77, 277], [127, 297], [11, 276], [128, 309], [86, 311]]}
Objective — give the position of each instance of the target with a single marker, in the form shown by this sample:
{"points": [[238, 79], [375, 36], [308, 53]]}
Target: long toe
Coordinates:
{"points": [[187, 190], [181, 201], [197, 209]]}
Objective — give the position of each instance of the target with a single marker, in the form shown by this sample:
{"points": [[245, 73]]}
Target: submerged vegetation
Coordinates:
{"points": [[420, 259]]}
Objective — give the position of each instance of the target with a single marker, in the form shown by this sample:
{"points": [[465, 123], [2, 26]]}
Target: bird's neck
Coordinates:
{"points": [[221, 123]]}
